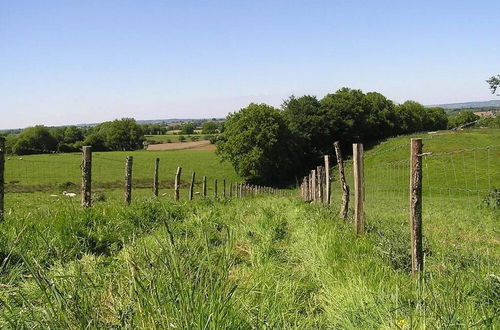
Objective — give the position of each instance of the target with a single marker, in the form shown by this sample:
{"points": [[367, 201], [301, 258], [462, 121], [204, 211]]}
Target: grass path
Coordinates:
{"points": [[264, 262]]}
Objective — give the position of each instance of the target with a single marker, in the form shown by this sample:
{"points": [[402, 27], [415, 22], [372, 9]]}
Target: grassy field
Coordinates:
{"points": [[49, 172], [165, 138], [264, 262]]}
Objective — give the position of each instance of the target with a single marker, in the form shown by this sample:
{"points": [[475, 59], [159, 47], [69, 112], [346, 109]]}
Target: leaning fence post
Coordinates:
{"points": [[344, 208], [177, 183], [86, 189], [327, 180], [128, 179], [417, 254], [357, 156], [204, 187], [155, 177], [2, 176], [191, 187]]}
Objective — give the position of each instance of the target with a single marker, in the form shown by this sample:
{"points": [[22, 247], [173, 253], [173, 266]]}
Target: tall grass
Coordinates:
{"points": [[263, 262]]}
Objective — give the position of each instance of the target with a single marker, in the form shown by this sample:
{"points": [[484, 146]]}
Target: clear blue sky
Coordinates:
{"points": [[68, 62]]}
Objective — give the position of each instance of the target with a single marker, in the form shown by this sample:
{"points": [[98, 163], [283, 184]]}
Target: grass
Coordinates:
{"points": [[259, 262], [165, 138], [49, 172]]}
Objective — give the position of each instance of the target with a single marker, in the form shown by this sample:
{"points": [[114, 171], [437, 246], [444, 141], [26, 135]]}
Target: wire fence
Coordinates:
{"points": [[56, 175]]}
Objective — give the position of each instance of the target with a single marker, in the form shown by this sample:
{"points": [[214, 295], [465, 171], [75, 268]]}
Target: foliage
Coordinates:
{"points": [[348, 116], [209, 127], [33, 140], [256, 140], [494, 82], [187, 128], [463, 118]]}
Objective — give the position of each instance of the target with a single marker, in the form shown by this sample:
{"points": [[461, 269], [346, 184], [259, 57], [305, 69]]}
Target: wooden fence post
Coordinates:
{"points": [[344, 208], [224, 188], [191, 187], [2, 177], [327, 180], [155, 177], [204, 187], [177, 183], [313, 185], [230, 190], [319, 182], [357, 157], [417, 254], [215, 188], [86, 189], [128, 179]]}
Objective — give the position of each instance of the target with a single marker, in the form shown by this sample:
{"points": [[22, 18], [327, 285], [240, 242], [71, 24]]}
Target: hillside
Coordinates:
{"points": [[469, 105], [266, 261]]}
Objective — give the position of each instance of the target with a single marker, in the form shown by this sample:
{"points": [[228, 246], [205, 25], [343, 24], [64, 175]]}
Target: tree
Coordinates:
{"points": [[463, 118], [257, 142], [209, 127], [73, 134], [494, 82], [435, 119], [33, 140], [410, 117], [187, 128], [121, 134], [308, 123]]}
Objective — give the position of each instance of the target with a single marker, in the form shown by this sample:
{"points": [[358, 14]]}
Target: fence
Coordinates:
{"points": [[406, 178], [91, 174]]}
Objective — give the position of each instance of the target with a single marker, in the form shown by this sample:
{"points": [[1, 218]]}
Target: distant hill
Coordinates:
{"points": [[493, 104]]}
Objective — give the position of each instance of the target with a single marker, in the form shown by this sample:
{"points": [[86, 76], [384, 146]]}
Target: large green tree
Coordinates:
{"points": [[258, 143], [309, 124], [34, 140], [120, 134], [209, 127]]}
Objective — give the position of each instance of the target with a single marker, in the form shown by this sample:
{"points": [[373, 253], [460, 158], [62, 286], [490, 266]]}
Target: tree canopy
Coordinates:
{"points": [[269, 145], [256, 140]]}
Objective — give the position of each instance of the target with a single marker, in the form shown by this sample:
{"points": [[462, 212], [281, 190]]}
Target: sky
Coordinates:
{"points": [[85, 61]]}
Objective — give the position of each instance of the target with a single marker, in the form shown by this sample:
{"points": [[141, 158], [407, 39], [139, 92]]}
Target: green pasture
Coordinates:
{"points": [[262, 262], [165, 138], [57, 172]]}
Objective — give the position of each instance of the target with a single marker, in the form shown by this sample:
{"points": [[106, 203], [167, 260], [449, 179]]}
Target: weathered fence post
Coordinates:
{"points": [[327, 180], [2, 177], [230, 190], [215, 188], [313, 185], [319, 173], [86, 189], [357, 156], [177, 183], [155, 177], [191, 187], [128, 179], [344, 208], [417, 254], [224, 188], [204, 187], [240, 189]]}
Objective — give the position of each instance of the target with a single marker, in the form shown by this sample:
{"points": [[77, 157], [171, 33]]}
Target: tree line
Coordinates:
{"points": [[117, 135], [267, 145]]}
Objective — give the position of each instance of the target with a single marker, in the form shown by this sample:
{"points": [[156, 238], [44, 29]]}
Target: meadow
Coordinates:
{"points": [[167, 138], [257, 262]]}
